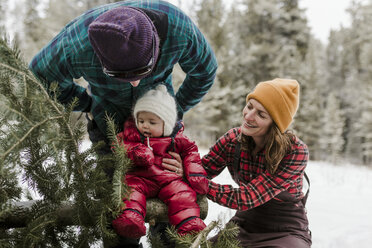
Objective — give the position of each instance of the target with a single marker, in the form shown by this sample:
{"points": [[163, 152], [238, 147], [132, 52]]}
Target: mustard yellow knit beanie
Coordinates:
{"points": [[280, 97]]}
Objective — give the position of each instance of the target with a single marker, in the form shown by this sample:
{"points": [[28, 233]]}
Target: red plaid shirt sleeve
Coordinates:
{"points": [[263, 186], [220, 154]]}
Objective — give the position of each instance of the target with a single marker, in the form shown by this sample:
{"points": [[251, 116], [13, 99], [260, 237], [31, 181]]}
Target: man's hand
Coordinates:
{"points": [[173, 164]]}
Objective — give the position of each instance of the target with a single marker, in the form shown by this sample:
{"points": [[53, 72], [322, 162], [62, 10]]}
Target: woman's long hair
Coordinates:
{"points": [[277, 145]]}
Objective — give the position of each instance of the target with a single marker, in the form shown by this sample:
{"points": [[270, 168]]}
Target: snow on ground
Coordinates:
{"points": [[339, 205]]}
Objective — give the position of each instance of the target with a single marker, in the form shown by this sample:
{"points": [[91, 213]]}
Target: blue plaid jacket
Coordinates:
{"points": [[70, 56]]}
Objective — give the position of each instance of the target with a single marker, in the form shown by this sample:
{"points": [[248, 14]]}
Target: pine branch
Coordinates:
{"points": [[32, 79], [123, 165], [18, 214], [26, 135], [203, 234], [36, 135], [227, 236], [19, 113], [37, 138]]}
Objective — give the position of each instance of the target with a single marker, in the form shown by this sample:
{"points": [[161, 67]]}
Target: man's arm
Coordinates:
{"points": [[200, 65], [55, 63]]}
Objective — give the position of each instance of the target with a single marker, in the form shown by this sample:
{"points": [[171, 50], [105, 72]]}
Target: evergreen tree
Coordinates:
{"points": [[365, 81], [256, 41], [38, 140], [211, 18], [308, 118], [348, 72], [331, 139], [3, 7], [55, 19], [359, 50], [355, 78], [41, 25], [32, 34], [88, 4], [275, 35], [364, 126]]}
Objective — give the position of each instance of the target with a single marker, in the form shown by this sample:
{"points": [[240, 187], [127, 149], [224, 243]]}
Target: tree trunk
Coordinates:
{"points": [[19, 215]]}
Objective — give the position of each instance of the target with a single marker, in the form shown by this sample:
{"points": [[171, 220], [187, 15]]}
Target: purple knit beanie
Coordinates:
{"points": [[123, 40]]}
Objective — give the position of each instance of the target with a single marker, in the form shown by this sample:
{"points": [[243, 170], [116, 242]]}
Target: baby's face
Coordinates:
{"points": [[149, 124]]}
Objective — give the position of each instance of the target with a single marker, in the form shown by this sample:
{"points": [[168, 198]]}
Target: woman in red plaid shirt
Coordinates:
{"points": [[268, 167]]}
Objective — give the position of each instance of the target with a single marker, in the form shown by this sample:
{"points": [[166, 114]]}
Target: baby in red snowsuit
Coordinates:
{"points": [[148, 139]]}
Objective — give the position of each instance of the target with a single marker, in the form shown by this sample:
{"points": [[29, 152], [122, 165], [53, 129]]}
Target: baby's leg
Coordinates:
{"points": [[183, 210], [131, 223]]}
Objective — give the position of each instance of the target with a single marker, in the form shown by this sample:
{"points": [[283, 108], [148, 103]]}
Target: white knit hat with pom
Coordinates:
{"points": [[161, 103]]}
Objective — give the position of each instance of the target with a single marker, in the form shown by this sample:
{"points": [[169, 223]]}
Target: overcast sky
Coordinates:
{"points": [[322, 15]]}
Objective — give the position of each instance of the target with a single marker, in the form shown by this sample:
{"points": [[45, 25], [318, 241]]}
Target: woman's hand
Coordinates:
{"points": [[173, 164]]}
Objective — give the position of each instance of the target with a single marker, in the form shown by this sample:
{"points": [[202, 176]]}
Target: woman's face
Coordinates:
{"points": [[256, 120]]}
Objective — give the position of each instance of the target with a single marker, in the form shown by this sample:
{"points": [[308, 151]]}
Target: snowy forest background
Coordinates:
{"points": [[255, 41]]}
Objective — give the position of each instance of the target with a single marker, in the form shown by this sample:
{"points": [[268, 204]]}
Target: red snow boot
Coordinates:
{"points": [[130, 224], [193, 226]]}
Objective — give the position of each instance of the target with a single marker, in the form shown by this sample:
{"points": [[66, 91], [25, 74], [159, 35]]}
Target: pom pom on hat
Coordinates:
{"points": [[123, 40], [158, 101], [280, 97]]}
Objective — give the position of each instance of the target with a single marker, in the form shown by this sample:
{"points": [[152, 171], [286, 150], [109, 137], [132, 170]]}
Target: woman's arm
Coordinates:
{"points": [[265, 186], [216, 160]]}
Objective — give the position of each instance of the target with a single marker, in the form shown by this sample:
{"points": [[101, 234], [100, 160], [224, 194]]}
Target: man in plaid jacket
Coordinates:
{"points": [[122, 50]]}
